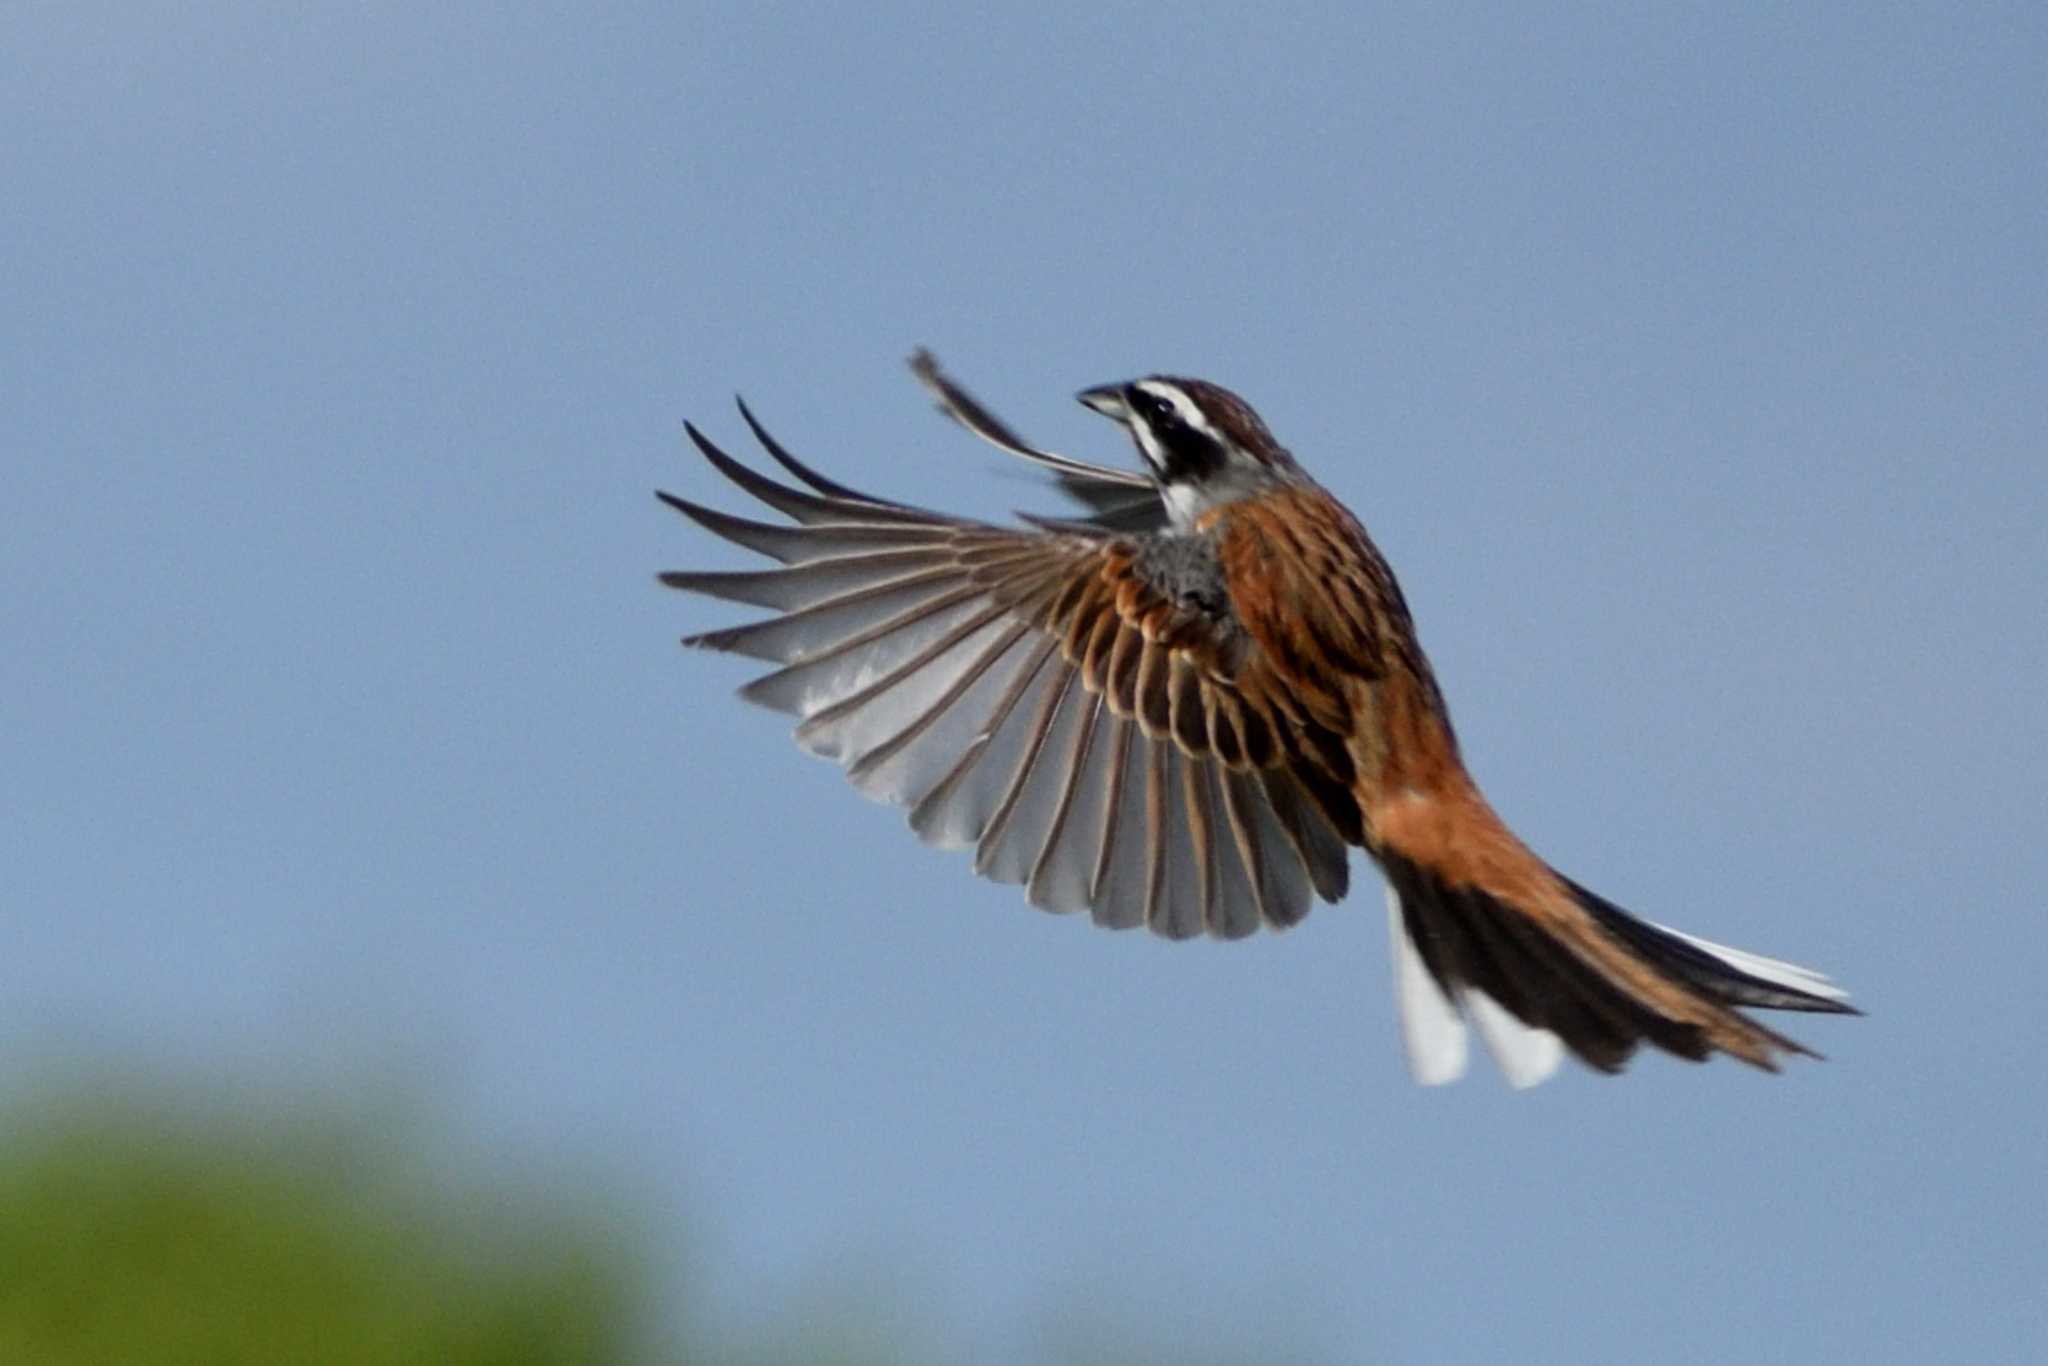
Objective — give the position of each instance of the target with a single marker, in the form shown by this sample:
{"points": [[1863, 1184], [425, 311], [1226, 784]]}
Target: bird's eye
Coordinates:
{"points": [[1158, 408]]}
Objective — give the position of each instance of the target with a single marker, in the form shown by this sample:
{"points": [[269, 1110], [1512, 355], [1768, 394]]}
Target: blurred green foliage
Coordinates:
{"points": [[143, 1227], [142, 1234]]}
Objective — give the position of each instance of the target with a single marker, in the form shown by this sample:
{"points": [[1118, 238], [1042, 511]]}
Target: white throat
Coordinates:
{"points": [[1187, 500]]}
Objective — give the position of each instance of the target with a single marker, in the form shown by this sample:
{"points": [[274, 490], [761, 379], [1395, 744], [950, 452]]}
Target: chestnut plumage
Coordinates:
{"points": [[1180, 708]]}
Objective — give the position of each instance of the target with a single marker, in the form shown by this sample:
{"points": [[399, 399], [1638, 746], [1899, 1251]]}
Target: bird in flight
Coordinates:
{"points": [[1180, 708]]}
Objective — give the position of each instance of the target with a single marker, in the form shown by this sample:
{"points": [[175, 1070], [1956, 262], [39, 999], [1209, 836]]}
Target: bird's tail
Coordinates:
{"points": [[1540, 971], [1735, 976]]}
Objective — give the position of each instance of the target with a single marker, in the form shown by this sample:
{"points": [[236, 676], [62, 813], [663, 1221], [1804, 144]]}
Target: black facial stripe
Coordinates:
{"points": [[1189, 453], [1157, 410]]}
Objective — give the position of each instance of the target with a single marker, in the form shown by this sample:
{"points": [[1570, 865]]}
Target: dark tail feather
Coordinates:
{"points": [[1732, 976], [1474, 945], [1471, 942]]}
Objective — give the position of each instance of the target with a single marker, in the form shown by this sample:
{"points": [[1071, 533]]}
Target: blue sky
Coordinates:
{"points": [[1686, 361]]}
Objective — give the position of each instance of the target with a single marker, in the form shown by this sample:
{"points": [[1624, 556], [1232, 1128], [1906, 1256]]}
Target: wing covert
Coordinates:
{"points": [[1030, 694]]}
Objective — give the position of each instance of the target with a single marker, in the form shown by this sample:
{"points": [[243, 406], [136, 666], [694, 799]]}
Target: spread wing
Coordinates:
{"points": [[1117, 500], [1031, 695]]}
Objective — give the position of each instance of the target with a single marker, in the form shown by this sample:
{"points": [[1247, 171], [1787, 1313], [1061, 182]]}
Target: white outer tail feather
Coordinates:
{"points": [[1526, 1055], [1433, 1033], [1776, 971], [1433, 1025]]}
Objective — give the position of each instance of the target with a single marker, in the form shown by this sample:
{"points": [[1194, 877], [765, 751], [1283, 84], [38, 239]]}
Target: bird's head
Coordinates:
{"points": [[1204, 445]]}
